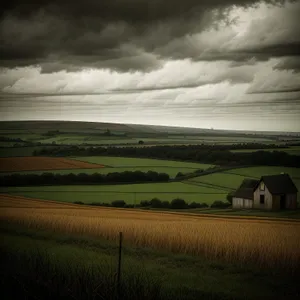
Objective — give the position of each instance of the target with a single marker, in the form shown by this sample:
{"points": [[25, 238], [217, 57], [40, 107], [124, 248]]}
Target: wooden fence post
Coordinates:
{"points": [[119, 266]]}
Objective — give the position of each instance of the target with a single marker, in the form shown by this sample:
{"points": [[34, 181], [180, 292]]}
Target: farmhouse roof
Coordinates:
{"points": [[279, 184], [246, 189]]}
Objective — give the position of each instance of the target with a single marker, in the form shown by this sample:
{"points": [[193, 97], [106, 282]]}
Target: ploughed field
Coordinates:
{"points": [[11, 164], [108, 164], [246, 241]]}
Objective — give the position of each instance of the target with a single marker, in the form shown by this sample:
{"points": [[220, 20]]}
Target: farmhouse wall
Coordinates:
{"points": [[268, 199], [237, 203], [291, 201], [248, 203], [276, 202]]}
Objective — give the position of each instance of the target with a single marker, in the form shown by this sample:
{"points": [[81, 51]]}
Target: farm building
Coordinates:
{"points": [[274, 192]]}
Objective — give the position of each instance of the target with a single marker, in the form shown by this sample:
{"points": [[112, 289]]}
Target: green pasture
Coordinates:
{"points": [[230, 180], [293, 150], [120, 162], [130, 193], [257, 172]]}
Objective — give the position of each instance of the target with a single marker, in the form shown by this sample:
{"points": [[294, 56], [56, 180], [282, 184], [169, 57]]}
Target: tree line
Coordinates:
{"points": [[176, 203], [82, 178], [217, 155]]}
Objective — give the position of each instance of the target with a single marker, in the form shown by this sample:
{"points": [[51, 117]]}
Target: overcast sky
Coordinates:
{"points": [[229, 64]]}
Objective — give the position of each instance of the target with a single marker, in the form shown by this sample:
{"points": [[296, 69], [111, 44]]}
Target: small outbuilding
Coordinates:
{"points": [[273, 192], [244, 195]]}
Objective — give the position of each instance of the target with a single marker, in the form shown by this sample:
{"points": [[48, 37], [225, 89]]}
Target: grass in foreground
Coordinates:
{"points": [[84, 267]]}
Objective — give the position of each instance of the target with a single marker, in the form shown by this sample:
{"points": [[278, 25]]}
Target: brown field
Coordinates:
{"points": [[261, 242], [12, 164]]}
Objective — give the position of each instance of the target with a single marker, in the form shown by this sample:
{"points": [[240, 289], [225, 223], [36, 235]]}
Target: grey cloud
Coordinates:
{"points": [[93, 33], [289, 63], [275, 91]]}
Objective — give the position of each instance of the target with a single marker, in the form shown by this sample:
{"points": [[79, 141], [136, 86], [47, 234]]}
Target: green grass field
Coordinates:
{"points": [[230, 180], [120, 162], [293, 150], [207, 188], [130, 193]]}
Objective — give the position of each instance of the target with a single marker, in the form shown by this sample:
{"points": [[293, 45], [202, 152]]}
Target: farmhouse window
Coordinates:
{"points": [[262, 199], [262, 186]]}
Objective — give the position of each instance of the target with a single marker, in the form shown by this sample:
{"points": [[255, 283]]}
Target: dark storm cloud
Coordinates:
{"points": [[289, 63], [276, 91], [118, 34]]}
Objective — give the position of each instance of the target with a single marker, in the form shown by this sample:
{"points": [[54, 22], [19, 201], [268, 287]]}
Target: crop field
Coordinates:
{"points": [[42, 163], [130, 193], [263, 242], [121, 162], [108, 164]]}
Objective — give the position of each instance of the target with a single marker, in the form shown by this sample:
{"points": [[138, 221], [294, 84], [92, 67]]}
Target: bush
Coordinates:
{"points": [[229, 197], [179, 174], [145, 203], [220, 204], [197, 205], [156, 203], [118, 203], [99, 204], [129, 206], [165, 204], [178, 204], [78, 202]]}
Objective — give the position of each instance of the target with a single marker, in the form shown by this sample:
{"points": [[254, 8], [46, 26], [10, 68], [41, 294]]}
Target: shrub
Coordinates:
{"points": [[178, 203], [198, 171], [145, 203], [229, 197], [78, 202], [156, 203], [179, 174], [220, 204], [165, 204], [197, 205], [118, 203], [129, 206]]}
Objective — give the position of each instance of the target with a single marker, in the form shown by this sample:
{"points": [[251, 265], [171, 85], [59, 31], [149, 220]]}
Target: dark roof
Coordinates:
{"points": [[246, 189], [279, 184]]}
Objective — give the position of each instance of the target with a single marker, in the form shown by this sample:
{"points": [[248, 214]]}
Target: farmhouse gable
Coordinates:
{"points": [[273, 192]]}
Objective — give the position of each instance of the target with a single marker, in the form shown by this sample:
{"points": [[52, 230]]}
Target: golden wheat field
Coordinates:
{"points": [[263, 242]]}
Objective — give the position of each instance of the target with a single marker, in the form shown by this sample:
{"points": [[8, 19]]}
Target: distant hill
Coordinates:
{"points": [[93, 127]]}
